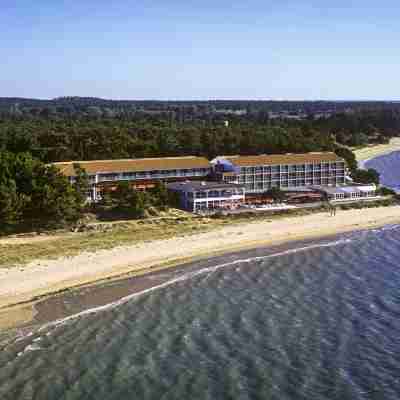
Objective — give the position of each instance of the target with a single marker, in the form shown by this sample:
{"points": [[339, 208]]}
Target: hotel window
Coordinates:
{"points": [[108, 177], [258, 170], [284, 168], [275, 168], [267, 169], [128, 175], [213, 193]]}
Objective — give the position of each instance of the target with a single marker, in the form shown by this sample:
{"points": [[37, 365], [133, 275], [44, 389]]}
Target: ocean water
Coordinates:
{"points": [[389, 168], [317, 320]]}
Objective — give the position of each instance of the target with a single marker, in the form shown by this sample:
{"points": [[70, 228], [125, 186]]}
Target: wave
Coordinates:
{"points": [[184, 277], [206, 270]]}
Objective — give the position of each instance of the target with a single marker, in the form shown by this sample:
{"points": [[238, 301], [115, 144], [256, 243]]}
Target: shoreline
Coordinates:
{"points": [[43, 280], [368, 153]]}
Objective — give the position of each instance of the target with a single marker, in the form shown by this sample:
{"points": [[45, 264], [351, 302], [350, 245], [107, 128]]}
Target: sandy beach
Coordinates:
{"points": [[366, 153], [39, 278]]}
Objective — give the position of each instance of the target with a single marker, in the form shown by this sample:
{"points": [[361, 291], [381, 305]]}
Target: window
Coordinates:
{"points": [[214, 193]]}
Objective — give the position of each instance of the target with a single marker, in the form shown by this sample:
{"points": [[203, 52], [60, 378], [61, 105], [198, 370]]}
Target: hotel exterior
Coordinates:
{"points": [[236, 179], [208, 196], [346, 193], [260, 173], [141, 173]]}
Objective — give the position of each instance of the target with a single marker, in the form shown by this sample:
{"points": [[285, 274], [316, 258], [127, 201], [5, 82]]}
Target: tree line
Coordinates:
{"points": [[33, 193]]}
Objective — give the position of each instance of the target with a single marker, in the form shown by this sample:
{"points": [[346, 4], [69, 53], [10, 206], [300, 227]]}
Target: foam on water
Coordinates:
{"points": [[184, 277]]}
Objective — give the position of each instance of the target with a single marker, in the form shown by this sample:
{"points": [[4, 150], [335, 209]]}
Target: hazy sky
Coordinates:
{"points": [[200, 49]]}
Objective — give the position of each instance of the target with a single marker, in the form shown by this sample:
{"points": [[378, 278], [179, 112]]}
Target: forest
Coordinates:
{"points": [[34, 193]]}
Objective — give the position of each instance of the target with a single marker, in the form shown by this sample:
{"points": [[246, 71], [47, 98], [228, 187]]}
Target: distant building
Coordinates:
{"points": [[208, 196], [142, 173], [263, 172]]}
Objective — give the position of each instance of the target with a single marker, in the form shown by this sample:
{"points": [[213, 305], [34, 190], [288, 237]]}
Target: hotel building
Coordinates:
{"points": [[208, 196], [141, 173], [286, 171], [346, 193]]}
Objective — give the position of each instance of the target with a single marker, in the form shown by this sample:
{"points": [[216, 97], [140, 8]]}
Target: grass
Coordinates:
{"points": [[120, 234], [132, 232]]}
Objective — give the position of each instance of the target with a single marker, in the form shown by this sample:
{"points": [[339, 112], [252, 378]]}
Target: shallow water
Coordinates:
{"points": [[317, 321]]}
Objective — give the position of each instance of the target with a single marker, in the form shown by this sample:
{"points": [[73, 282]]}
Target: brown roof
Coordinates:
{"points": [[281, 159], [133, 165]]}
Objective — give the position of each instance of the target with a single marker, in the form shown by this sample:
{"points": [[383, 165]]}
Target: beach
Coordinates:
{"points": [[21, 285], [367, 153]]}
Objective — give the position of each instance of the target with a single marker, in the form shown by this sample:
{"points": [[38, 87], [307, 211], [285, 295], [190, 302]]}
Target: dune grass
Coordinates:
{"points": [[131, 232]]}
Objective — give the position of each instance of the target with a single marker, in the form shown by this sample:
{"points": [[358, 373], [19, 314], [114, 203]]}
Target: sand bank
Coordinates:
{"points": [[44, 277]]}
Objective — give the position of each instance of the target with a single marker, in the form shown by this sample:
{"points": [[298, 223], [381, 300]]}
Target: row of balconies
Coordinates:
{"points": [[140, 175], [283, 178], [294, 168], [297, 173]]}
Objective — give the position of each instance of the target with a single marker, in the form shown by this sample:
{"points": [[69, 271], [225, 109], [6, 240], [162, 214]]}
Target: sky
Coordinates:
{"points": [[201, 49]]}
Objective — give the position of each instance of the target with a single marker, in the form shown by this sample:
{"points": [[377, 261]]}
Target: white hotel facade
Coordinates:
{"points": [[287, 171]]}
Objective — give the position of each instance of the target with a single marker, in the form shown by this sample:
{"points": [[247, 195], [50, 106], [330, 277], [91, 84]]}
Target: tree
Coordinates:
{"points": [[10, 205], [348, 156], [81, 184], [32, 193], [159, 195], [127, 200], [365, 176]]}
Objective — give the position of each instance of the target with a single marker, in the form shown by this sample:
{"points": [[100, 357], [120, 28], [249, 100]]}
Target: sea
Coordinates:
{"points": [[389, 168], [318, 319]]}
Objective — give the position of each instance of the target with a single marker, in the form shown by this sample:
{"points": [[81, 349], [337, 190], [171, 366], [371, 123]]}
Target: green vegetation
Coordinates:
{"points": [[34, 195], [366, 176], [171, 224], [126, 202]]}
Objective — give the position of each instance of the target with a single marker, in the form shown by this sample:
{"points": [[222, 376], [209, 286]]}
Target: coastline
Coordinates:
{"points": [[22, 288], [368, 153]]}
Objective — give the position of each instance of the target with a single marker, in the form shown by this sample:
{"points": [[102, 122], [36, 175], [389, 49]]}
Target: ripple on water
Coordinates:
{"points": [[316, 322]]}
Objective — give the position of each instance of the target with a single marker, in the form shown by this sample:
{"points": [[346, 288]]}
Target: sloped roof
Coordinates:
{"points": [[281, 159], [134, 165]]}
